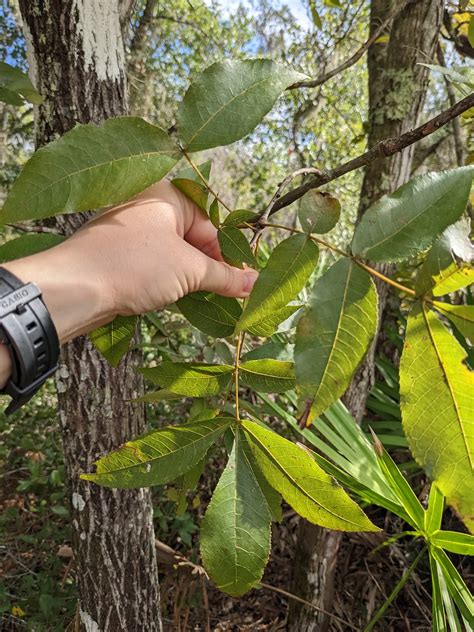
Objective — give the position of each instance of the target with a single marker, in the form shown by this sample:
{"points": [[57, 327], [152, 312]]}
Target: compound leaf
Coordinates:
{"points": [[406, 222], [334, 334], [303, 484], [113, 339], [235, 532], [436, 390], [288, 269], [229, 99], [213, 314], [191, 380], [158, 457], [268, 376], [90, 167]]}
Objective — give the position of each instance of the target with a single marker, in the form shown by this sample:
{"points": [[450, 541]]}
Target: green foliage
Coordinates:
{"points": [[288, 269], [90, 167], [189, 183], [158, 457], [192, 380], [435, 389], [235, 532], [447, 266], [213, 314], [27, 245], [268, 376], [334, 334], [406, 222], [234, 246], [16, 87], [228, 100], [462, 316], [113, 339], [303, 484], [318, 212]]}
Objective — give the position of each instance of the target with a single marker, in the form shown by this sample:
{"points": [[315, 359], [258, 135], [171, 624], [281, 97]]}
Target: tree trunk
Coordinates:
{"points": [[397, 90], [77, 58]]}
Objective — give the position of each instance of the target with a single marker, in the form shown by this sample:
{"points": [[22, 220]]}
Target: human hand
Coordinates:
{"points": [[140, 256]]}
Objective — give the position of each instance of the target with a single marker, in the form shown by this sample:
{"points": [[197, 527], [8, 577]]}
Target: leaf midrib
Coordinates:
{"points": [[448, 383]]}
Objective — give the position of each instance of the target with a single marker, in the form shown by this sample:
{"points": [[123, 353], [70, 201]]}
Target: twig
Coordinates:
{"points": [[354, 58], [281, 187], [204, 181], [383, 149]]}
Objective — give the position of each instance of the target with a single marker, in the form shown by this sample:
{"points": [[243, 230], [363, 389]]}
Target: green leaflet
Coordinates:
{"points": [[453, 541], [189, 183], [235, 531], [192, 380], [318, 212], [447, 267], [157, 396], [229, 99], [434, 512], [436, 390], [213, 314], [303, 484], [214, 213], [270, 323], [90, 167], [406, 222], [15, 86], [268, 376], [158, 457], [27, 245], [334, 334], [113, 339], [462, 316], [240, 216], [288, 269], [235, 248]]}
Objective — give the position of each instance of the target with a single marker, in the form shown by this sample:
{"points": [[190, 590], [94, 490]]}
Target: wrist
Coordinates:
{"points": [[71, 290], [5, 365]]}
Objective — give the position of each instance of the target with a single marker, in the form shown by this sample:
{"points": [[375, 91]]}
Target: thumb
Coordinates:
{"points": [[226, 280]]}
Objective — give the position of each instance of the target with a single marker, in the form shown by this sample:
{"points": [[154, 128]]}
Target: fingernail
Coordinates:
{"points": [[249, 280]]}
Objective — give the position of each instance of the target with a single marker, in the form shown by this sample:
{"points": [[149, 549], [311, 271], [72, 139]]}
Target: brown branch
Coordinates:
{"points": [[383, 149], [354, 58], [136, 45]]}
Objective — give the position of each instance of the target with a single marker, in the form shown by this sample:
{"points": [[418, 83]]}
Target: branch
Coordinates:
{"points": [[383, 149], [353, 59], [138, 39]]}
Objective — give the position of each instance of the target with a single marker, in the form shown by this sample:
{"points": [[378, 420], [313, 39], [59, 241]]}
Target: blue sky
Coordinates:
{"points": [[298, 8]]}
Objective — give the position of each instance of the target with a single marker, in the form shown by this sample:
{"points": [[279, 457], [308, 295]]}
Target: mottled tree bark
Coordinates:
{"points": [[397, 90], [77, 59]]}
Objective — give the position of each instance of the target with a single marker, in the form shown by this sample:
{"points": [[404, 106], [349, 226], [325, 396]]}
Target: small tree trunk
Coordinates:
{"points": [[397, 90], [77, 59]]}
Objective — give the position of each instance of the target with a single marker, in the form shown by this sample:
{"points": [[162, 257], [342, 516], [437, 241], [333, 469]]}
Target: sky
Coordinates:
{"points": [[297, 7]]}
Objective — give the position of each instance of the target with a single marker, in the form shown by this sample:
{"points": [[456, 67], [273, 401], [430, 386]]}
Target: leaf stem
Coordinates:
{"points": [[356, 260], [194, 166], [238, 351]]}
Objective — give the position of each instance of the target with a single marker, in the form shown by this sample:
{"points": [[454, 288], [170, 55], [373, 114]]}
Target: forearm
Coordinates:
{"points": [[70, 289]]}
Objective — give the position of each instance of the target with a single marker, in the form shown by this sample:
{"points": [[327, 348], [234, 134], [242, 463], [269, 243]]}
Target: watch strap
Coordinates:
{"points": [[27, 329]]}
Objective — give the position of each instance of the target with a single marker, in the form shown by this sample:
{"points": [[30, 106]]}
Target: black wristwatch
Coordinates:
{"points": [[26, 328]]}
